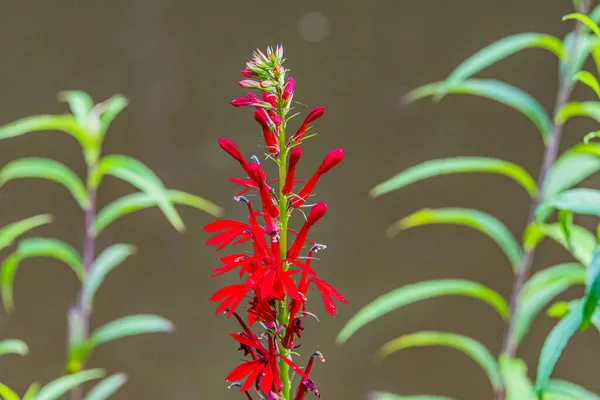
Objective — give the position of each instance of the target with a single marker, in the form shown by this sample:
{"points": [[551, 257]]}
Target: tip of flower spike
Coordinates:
{"points": [[316, 213]]}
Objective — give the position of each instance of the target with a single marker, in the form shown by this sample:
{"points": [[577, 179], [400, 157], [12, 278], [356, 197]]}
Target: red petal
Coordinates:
{"points": [[222, 224], [244, 340], [266, 379], [292, 365], [252, 377], [241, 371], [290, 286]]}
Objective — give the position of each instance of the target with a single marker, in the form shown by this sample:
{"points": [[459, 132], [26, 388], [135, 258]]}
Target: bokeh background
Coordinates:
{"points": [[178, 63]]}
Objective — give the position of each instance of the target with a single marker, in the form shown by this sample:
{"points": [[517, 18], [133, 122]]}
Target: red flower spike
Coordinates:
{"points": [[333, 158], [295, 155], [289, 88]]}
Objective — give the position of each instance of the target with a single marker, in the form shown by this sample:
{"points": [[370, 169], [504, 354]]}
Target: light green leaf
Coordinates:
{"points": [[36, 123], [106, 387], [494, 90], [139, 201], [476, 219], [572, 167], [592, 288], [81, 105], [128, 326], [390, 396], [45, 168], [569, 390], [579, 200], [32, 391], [582, 241], [590, 109], [55, 389], [474, 349], [109, 110], [455, 165], [540, 290], [140, 176], [13, 346], [106, 262], [502, 49], [7, 393], [35, 247], [589, 80], [421, 291], [514, 374], [585, 20], [555, 344], [10, 232]]}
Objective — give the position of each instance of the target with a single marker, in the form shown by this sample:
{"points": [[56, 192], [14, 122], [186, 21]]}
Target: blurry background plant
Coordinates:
{"points": [[553, 191], [88, 124]]}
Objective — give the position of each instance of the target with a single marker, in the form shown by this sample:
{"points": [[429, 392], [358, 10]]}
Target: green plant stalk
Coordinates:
{"points": [[550, 156]]}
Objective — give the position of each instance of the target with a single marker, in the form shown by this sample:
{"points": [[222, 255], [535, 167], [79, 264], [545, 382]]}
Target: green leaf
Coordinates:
{"points": [[540, 290], [7, 393], [35, 247], [582, 241], [590, 109], [580, 53], [474, 349], [589, 80], [129, 326], [55, 389], [106, 387], [139, 201], [502, 49], [13, 346], [390, 396], [516, 382], [579, 200], [32, 391], [572, 167], [36, 123], [455, 165], [476, 219], [585, 20], [555, 344], [81, 105], [421, 291], [137, 174], [45, 168], [592, 288], [10, 232], [494, 90], [110, 258], [109, 110], [569, 390]]}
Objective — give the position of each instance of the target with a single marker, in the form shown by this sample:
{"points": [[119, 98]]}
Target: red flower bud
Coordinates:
{"points": [[247, 73], [314, 114], [295, 155], [259, 176], [249, 84], [331, 160], [316, 213], [231, 149], [263, 119], [268, 128], [289, 88]]}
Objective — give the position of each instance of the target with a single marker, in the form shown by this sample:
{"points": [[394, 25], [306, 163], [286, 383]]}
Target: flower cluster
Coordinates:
{"points": [[275, 277]]}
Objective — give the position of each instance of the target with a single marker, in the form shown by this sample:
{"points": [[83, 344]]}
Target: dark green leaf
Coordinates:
{"points": [[57, 388], [476, 219], [106, 387], [10, 232], [455, 165], [421, 291], [128, 326], [45, 168]]}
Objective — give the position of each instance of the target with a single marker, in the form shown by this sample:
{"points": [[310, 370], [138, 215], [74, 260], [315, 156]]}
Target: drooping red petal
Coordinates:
{"points": [[266, 379], [292, 365], [222, 224], [242, 370], [244, 340], [288, 283]]}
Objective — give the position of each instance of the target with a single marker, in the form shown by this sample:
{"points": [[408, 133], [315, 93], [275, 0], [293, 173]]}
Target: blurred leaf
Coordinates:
{"points": [[554, 345], [110, 109], [580, 53], [35, 247], [565, 221], [495, 90], [10, 232], [106, 387], [569, 390], [582, 241], [36, 123], [137, 174], [455, 165], [32, 391], [590, 80], [45, 168], [55, 389], [590, 109], [476, 219], [572, 167], [539, 291], [390, 396], [139, 201], [585, 20], [514, 374], [13, 346], [106, 262], [421, 291], [578, 200], [592, 288], [81, 105], [478, 352], [129, 326], [7, 393]]}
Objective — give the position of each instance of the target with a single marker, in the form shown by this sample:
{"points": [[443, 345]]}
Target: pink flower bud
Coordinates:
{"points": [[331, 160], [249, 84], [247, 73], [289, 88]]}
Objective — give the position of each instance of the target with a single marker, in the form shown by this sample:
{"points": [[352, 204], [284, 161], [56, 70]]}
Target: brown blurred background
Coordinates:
{"points": [[178, 63]]}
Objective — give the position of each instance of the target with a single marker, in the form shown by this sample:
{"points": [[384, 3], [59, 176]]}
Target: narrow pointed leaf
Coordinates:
{"points": [[474, 349], [554, 345], [581, 244], [37, 123], [592, 288], [7, 393], [45, 168], [129, 326], [590, 109], [81, 105], [32, 391], [494, 90], [475, 219], [57, 388], [578, 200], [517, 384], [422, 291], [390, 396], [10, 232], [569, 390], [13, 346], [572, 167], [138, 175], [584, 19], [111, 108], [139, 201], [106, 262], [589, 80], [107, 387], [456, 165]]}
